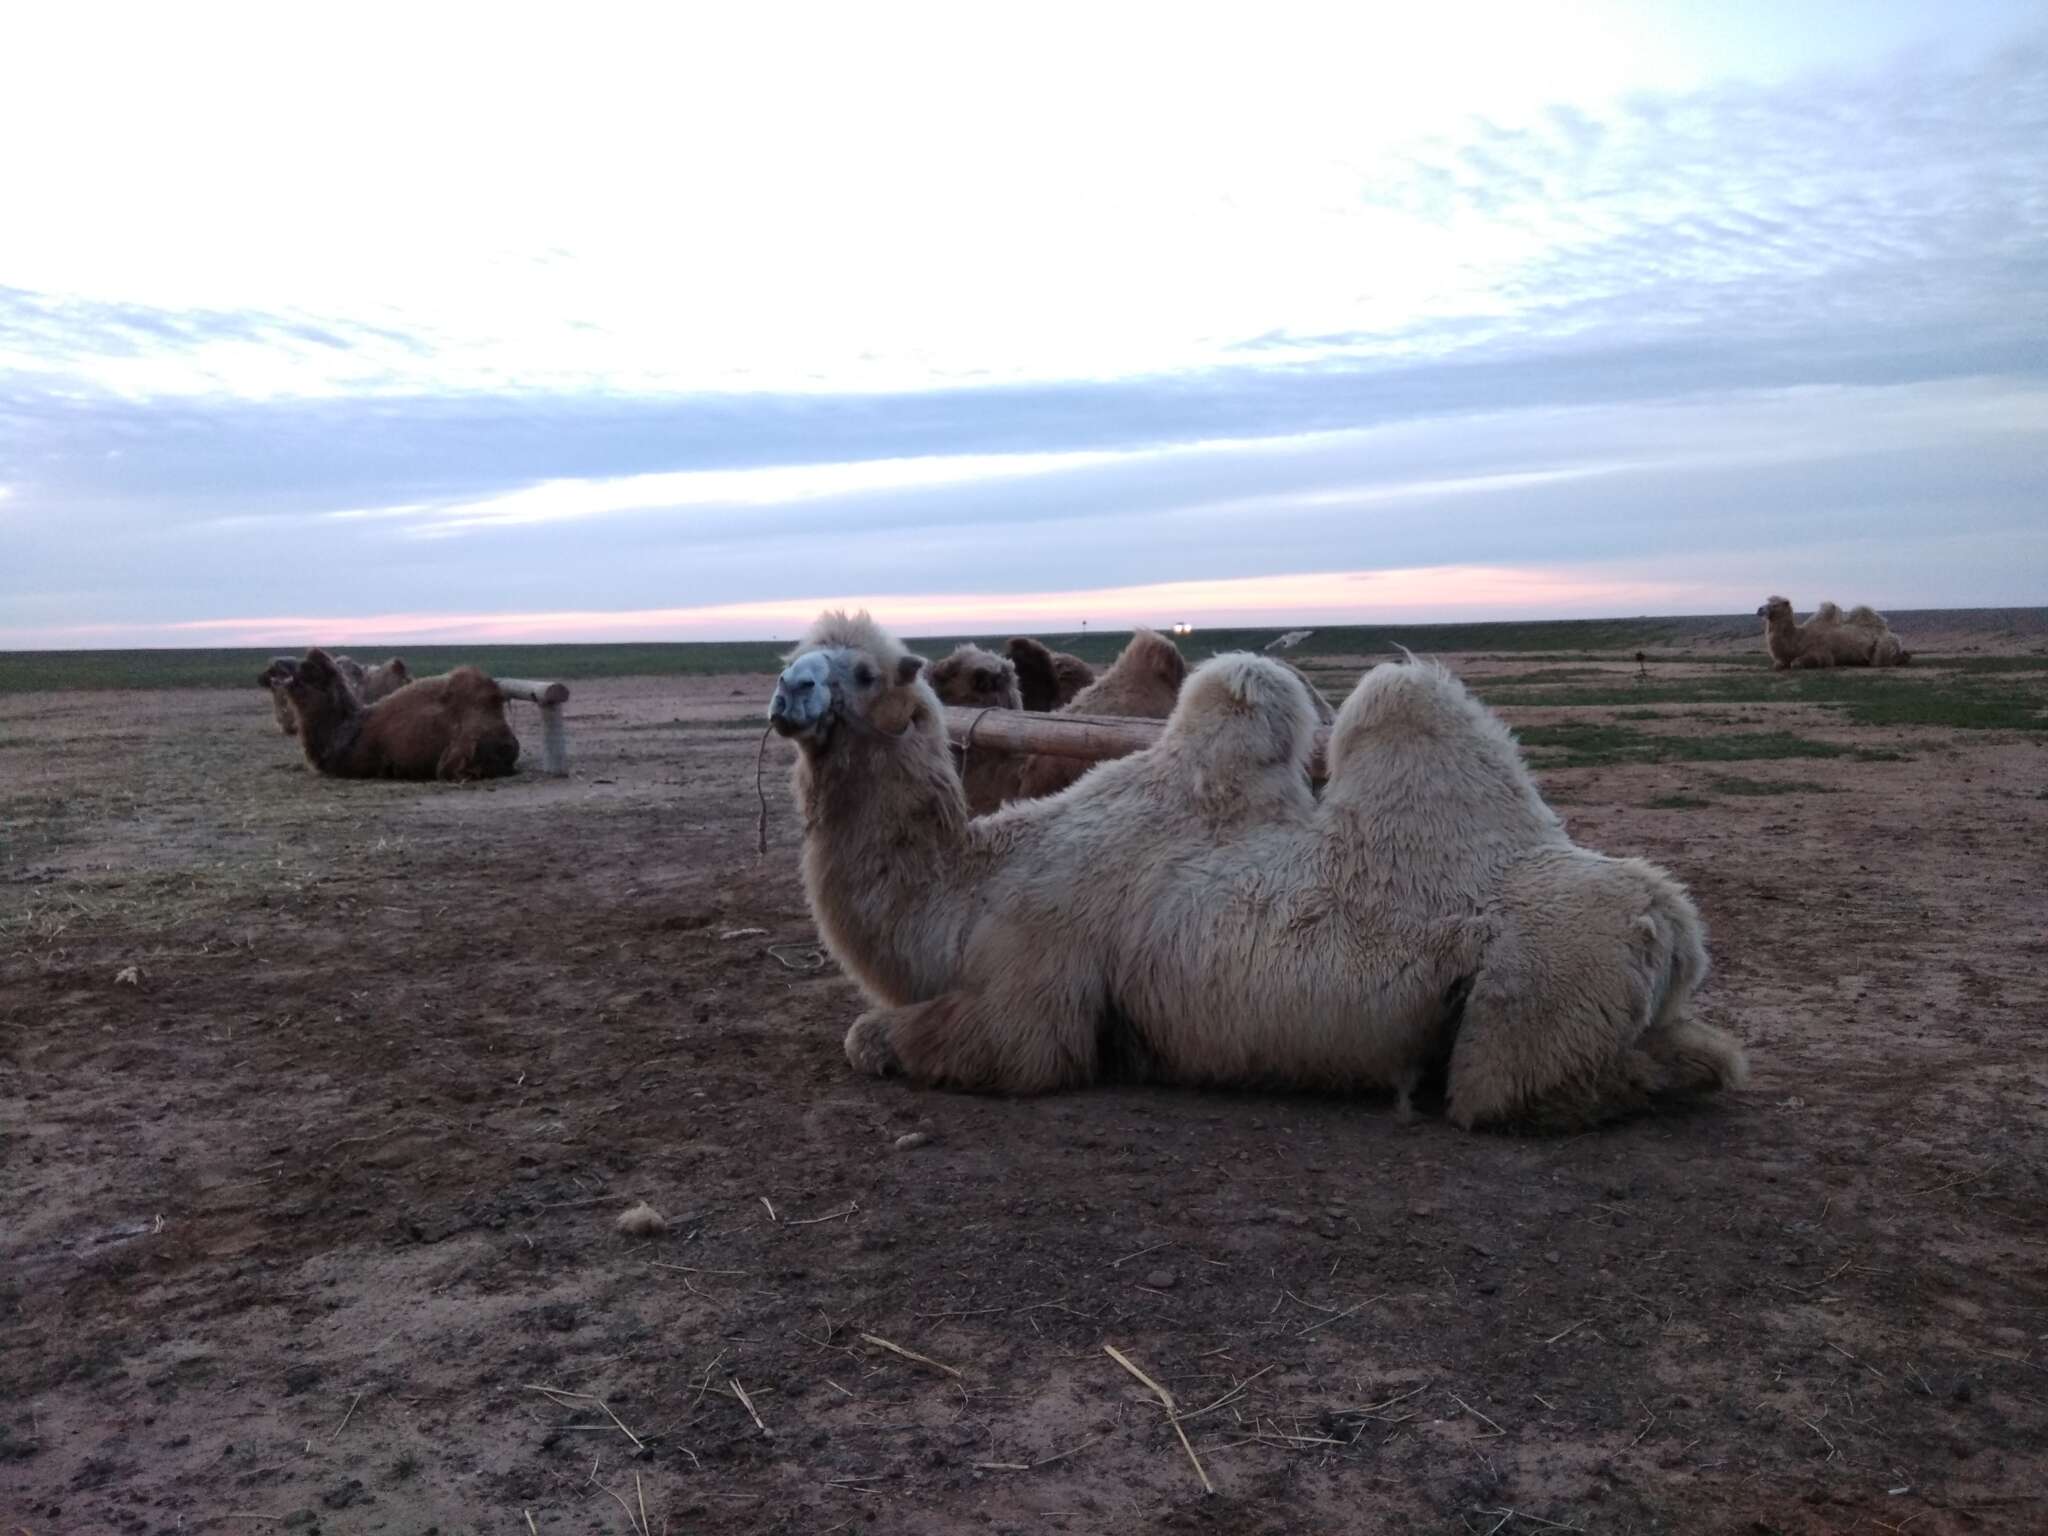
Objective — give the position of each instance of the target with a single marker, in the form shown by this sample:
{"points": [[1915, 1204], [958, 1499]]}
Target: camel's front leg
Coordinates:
{"points": [[966, 1040], [455, 763]]}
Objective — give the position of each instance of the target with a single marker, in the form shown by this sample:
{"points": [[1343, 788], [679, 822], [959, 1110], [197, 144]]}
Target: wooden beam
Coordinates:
{"points": [[532, 692], [1093, 738], [554, 736]]}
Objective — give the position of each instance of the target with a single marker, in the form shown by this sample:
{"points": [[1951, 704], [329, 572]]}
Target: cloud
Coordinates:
{"points": [[1794, 317]]}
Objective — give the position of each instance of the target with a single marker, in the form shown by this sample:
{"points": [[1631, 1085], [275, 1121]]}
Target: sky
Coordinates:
{"points": [[490, 323]]}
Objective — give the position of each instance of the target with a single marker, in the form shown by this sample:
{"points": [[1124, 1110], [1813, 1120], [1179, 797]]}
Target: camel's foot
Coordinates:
{"points": [[868, 1048], [961, 1040]]}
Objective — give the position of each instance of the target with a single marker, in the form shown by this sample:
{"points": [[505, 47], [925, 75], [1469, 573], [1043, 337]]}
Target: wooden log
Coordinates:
{"points": [[554, 736], [1093, 738], [532, 692]]}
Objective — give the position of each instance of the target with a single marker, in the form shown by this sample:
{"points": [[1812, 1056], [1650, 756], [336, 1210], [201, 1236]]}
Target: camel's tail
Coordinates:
{"points": [[1577, 1013]]}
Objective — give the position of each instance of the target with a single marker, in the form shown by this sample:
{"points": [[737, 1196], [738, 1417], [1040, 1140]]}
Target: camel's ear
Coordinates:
{"points": [[398, 668], [907, 670]]}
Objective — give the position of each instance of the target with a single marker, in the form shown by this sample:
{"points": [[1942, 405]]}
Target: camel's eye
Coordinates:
{"points": [[864, 675]]}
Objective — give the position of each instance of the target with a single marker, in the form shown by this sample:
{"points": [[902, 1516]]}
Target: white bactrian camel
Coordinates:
{"points": [[1192, 913]]}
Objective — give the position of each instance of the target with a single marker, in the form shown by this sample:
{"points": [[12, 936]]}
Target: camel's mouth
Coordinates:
{"points": [[803, 703]]}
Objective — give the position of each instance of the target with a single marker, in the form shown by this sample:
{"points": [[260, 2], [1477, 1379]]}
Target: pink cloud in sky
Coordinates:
{"points": [[1419, 595]]}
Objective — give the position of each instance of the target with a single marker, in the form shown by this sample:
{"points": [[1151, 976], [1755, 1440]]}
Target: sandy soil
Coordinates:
{"points": [[318, 1102]]}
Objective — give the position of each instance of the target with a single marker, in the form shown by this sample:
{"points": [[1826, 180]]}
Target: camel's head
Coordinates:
{"points": [[846, 672], [318, 682], [384, 679], [1775, 608], [975, 679], [279, 671]]}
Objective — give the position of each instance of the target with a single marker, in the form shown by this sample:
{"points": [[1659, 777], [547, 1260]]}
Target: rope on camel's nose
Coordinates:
{"points": [[967, 746], [760, 757]]}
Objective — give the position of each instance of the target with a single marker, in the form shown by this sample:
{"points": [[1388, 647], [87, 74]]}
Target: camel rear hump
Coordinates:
{"points": [[1414, 752]]}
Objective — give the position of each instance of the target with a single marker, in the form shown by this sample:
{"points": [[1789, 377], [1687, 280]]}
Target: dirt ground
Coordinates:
{"points": [[318, 1102]]}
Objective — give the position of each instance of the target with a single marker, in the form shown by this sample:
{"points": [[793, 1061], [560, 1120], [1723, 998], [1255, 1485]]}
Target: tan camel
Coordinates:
{"points": [[973, 678], [1141, 683], [1193, 914], [1861, 638]]}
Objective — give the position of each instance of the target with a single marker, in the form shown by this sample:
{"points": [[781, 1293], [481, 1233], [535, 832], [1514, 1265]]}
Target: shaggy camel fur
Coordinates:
{"points": [[1193, 914], [450, 727], [1142, 683], [1049, 679], [977, 679], [1861, 638], [369, 684]]}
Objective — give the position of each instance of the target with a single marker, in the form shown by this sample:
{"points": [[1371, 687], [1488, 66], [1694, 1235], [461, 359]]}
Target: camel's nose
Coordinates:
{"points": [[801, 694]]}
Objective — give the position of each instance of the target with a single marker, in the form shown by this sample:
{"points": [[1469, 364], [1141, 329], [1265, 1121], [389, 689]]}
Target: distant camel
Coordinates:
{"points": [[1829, 638], [450, 727]]}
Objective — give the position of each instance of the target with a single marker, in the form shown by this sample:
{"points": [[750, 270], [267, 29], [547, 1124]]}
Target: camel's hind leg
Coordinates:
{"points": [[1576, 1014], [972, 1041]]}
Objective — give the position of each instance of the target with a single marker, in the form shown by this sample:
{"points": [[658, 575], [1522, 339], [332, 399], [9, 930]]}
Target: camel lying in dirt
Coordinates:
{"points": [[1193, 914], [1048, 679], [1860, 638], [449, 727], [369, 684], [973, 678]]}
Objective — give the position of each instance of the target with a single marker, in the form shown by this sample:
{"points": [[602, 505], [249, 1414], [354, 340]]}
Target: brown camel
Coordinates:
{"points": [[369, 684], [450, 727], [1048, 679]]}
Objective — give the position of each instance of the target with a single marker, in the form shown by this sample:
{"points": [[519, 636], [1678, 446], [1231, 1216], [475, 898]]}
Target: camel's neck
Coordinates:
{"points": [[1782, 626], [327, 731], [885, 825]]}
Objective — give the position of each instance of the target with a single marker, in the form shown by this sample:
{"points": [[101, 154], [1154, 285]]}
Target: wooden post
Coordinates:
{"points": [[554, 736], [1094, 738]]}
